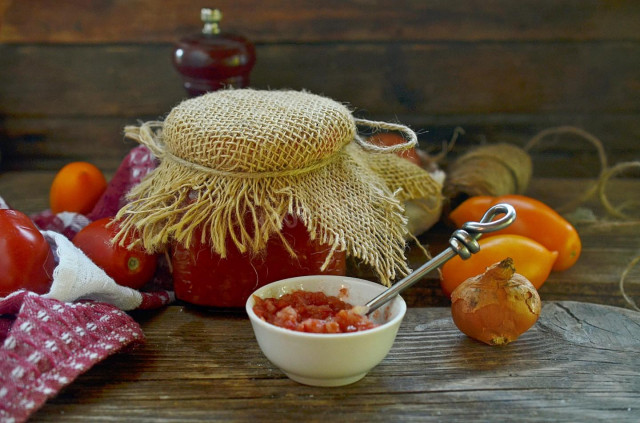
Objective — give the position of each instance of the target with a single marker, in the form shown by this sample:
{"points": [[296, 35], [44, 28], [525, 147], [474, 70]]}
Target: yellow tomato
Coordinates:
{"points": [[532, 260]]}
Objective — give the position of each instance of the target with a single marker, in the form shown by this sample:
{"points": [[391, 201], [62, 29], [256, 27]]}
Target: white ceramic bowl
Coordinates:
{"points": [[328, 359]]}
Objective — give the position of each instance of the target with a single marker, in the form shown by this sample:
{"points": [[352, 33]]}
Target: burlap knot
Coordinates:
{"points": [[234, 163]]}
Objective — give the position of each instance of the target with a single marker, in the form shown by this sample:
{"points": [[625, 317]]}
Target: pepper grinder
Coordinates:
{"points": [[212, 59]]}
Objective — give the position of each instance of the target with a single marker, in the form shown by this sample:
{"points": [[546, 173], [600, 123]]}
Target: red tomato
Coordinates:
{"points": [[204, 278], [128, 267], [390, 139], [534, 220], [26, 259]]}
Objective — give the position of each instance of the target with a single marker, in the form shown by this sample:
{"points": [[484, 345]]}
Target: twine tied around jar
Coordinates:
{"points": [[150, 134]]}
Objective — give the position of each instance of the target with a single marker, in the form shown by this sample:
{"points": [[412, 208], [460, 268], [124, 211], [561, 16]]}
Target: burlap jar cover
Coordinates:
{"points": [[236, 162]]}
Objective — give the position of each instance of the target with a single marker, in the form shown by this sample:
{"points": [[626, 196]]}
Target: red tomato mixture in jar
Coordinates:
{"points": [[314, 312], [205, 278]]}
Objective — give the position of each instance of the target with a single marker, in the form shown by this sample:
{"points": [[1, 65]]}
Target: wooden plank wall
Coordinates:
{"points": [[74, 72]]}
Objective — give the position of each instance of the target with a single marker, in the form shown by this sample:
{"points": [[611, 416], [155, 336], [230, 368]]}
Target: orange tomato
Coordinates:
{"points": [[473, 210], [391, 138], [77, 187], [532, 260], [534, 219]]}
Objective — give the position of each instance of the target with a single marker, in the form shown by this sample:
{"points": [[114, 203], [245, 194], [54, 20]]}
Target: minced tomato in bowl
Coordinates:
{"points": [[322, 358], [314, 312]]}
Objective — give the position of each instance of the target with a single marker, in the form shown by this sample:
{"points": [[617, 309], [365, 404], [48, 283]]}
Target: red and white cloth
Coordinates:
{"points": [[46, 341], [76, 277]]}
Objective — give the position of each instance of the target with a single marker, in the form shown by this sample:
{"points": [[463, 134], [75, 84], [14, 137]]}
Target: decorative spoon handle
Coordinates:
{"points": [[463, 242]]}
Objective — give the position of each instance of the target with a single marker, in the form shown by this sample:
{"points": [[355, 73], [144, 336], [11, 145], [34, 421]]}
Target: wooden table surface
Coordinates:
{"points": [[580, 362]]}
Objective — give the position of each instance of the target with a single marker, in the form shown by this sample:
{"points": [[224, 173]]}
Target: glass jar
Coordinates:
{"points": [[204, 278]]}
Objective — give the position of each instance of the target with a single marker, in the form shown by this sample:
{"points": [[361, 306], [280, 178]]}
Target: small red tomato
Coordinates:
{"points": [[131, 267], [26, 259]]}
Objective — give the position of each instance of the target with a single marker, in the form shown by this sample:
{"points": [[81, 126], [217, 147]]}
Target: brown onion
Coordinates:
{"points": [[497, 306]]}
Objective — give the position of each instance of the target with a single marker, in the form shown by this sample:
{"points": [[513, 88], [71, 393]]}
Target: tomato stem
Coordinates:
{"points": [[133, 264]]}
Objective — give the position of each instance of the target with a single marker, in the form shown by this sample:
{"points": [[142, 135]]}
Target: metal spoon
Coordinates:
{"points": [[463, 242]]}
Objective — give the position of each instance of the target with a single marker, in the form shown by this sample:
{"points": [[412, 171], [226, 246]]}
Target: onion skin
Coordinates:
{"points": [[497, 306]]}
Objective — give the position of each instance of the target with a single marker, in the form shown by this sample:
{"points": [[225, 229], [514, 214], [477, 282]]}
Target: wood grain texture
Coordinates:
{"points": [[122, 21], [50, 143], [501, 69], [423, 79], [580, 362], [53, 99]]}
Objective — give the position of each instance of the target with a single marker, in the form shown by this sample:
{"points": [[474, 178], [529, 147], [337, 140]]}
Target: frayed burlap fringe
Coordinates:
{"points": [[293, 154], [345, 204]]}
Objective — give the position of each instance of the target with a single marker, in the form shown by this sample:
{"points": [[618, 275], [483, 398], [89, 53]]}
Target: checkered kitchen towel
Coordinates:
{"points": [[46, 341]]}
